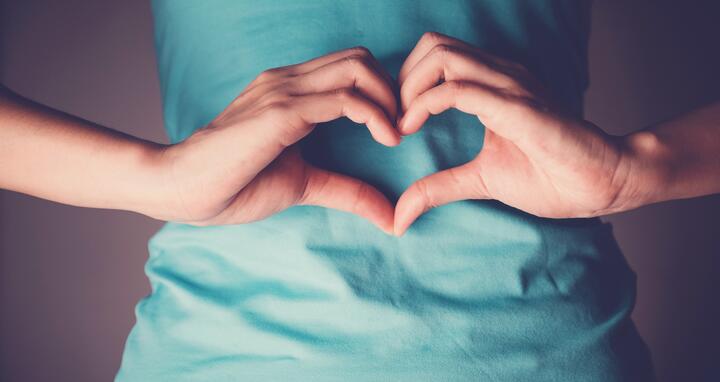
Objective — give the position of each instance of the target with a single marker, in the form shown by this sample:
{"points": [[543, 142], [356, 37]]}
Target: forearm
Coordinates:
{"points": [[676, 159], [55, 156]]}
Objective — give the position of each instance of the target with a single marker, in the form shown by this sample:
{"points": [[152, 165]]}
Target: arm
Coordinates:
{"points": [[243, 166], [676, 159], [55, 156]]}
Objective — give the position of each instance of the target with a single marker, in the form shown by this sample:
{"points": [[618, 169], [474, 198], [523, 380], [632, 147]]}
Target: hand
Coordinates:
{"points": [[534, 158], [245, 166]]}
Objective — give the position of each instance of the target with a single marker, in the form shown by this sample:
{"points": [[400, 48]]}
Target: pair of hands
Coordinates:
{"points": [[245, 165]]}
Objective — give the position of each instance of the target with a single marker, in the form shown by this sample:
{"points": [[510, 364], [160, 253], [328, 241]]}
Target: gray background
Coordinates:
{"points": [[69, 277]]}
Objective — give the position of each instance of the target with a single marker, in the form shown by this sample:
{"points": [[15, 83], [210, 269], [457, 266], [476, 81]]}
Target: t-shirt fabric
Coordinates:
{"points": [[474, 291]]}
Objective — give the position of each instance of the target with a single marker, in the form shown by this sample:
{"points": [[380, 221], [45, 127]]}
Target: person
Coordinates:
{"points": [[252, 280]]}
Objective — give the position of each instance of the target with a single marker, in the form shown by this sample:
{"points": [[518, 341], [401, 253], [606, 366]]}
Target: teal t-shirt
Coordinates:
{"points": [[475, 291]]}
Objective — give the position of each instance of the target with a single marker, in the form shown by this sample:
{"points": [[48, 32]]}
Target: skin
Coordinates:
{"points": [[244, 165], [535, 157]]}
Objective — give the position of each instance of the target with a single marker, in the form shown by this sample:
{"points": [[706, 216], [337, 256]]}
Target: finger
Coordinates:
{"points": [[457, 183], [423, 46], [353, 71], [310, 65], [504, 115], [431, 39], [340, 192], [295, 118], [449, 63]]}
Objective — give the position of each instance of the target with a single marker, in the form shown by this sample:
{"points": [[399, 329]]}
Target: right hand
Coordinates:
{"points": [[244, 165]]}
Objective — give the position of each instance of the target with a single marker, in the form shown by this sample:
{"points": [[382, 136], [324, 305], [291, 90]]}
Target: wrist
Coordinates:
{"points": [[149, 190], [167, 204], [182, 177], [645, 168]]}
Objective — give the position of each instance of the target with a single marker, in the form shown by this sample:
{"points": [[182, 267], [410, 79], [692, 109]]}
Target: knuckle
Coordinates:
{"points": [[268, 74], [455, 87], [357, 63], [278, 93], [359, 51], [273, 100], [374, 114], [344, 94], [361, 193], [442, 50], [509, 83], [524, 92], [431, 38], [278, 111], [477, 182], [422, 189]]}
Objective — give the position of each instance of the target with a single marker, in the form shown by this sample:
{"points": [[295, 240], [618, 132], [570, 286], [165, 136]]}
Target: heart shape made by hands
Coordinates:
{"points": [[534, 157], [523, 161]]}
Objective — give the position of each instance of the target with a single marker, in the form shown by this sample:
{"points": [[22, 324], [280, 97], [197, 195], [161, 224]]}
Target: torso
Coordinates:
{"points": [[474, 291]]}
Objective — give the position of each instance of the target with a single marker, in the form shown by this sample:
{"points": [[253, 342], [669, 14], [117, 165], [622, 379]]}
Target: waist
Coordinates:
{"points": [[466, 251]]}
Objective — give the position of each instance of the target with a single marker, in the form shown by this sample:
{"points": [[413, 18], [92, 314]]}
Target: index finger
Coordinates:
{"points": [[315, 63], [429, 40], [505, 115], [349, 72], [423, 47]]}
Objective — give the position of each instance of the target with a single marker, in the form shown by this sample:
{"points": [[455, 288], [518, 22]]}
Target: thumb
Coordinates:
{"points": [[457, 183], [340, 192]]}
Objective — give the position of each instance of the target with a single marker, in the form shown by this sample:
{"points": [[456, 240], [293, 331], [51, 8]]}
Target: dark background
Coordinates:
{"points": [[70, 278]]}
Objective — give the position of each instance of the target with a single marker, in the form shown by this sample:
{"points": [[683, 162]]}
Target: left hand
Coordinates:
{"points": [[534, 157]]}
